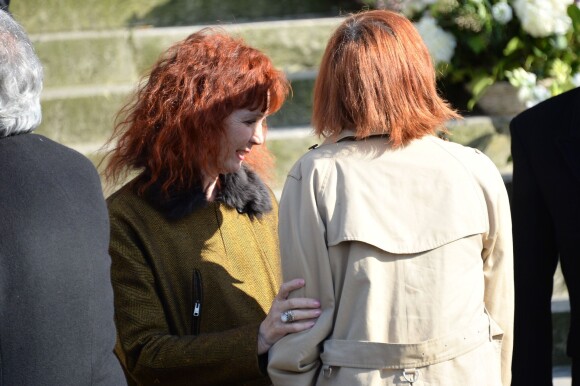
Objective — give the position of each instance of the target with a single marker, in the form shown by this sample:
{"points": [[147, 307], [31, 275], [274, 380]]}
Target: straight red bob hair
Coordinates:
{"points": [[377, 77], [172, 128]]}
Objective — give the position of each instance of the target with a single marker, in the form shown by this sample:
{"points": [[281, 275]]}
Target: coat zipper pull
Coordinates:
{"points": [[197, 298]]}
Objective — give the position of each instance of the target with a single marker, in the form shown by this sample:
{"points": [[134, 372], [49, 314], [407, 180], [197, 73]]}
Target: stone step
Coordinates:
{"points": [[48, 16], [562, 376], [560, 328], [95, 58]]}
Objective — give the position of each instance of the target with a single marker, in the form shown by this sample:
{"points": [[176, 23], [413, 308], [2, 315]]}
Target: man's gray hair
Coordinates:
{"points": [[21, 78]]}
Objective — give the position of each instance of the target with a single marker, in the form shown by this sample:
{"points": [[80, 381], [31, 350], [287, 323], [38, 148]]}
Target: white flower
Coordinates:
{"points": [[521, 78], [529, 92], [525, 93], [441, 44], [502, 12], [576, 79], [538, 94], [541, 18]]}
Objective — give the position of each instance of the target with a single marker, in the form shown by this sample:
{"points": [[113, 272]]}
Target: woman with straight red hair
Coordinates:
{"points": [[403, 237], [194, 247]]}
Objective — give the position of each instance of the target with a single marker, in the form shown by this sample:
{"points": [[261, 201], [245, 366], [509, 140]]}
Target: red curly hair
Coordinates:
{"points": [[377, 77], [171, 129]]}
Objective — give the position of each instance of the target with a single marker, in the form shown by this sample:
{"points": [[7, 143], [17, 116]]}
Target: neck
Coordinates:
{"points": [[209, 187]]}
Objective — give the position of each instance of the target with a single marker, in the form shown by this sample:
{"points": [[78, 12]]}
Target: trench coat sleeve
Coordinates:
{"points": [[294, 360], [497, 257], [151, 354]]}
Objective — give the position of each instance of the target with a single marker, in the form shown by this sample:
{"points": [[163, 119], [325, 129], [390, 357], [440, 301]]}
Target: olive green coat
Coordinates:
{"points": [[215, 256]]}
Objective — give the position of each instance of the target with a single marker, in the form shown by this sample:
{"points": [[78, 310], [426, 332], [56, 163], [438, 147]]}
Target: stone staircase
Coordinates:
{"points": [[80, 106]]}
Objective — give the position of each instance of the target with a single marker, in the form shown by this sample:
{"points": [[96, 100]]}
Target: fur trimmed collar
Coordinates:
{"points": [[243, 190]]}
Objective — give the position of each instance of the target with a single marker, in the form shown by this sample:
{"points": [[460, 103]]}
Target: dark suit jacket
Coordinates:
{"points": [[56, 303], [546, 152], [546, 228]]}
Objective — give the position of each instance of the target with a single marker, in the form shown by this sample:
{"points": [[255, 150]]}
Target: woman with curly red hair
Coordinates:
{"points": [[405, 238], [195, 259]]}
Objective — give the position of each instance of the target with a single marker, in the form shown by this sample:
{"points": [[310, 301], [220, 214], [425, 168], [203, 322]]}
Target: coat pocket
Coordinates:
{"points": [[197, 300]]}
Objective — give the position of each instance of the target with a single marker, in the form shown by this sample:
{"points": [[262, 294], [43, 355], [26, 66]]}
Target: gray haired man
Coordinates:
{"points": [[56, 300]]}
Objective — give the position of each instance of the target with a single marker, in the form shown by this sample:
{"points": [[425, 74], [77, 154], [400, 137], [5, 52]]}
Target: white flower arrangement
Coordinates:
{"points": [[542, 18], [533, 44], [441, 44]]}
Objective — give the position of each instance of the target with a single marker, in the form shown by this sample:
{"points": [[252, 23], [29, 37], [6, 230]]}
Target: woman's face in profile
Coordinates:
{"points": [[244, 129]]}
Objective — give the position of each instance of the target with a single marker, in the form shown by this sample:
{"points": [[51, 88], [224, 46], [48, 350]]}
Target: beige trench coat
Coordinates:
{"points": [[410, 254]]}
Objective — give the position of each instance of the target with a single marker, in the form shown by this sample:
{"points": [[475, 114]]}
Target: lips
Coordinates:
{"points": [[242, 154]]}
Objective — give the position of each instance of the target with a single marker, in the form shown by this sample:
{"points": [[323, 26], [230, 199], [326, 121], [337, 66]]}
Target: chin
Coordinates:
{"points": [[232, 168]]}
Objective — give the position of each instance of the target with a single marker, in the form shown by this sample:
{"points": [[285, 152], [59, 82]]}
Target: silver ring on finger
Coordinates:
{"points": [[287, 316]]}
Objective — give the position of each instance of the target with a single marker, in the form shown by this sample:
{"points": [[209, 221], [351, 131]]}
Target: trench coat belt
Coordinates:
{"points": [[374, 355]]}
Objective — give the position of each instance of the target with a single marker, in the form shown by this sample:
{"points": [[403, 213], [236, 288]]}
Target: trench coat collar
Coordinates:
{"points": [[348, 134]]}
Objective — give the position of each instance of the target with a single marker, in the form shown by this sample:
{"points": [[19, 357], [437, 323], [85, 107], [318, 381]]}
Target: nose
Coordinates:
{"points": [[258, 134]]}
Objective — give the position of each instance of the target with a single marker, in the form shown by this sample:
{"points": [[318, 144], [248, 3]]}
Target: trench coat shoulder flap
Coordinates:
{"points": [[408, 200]]}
